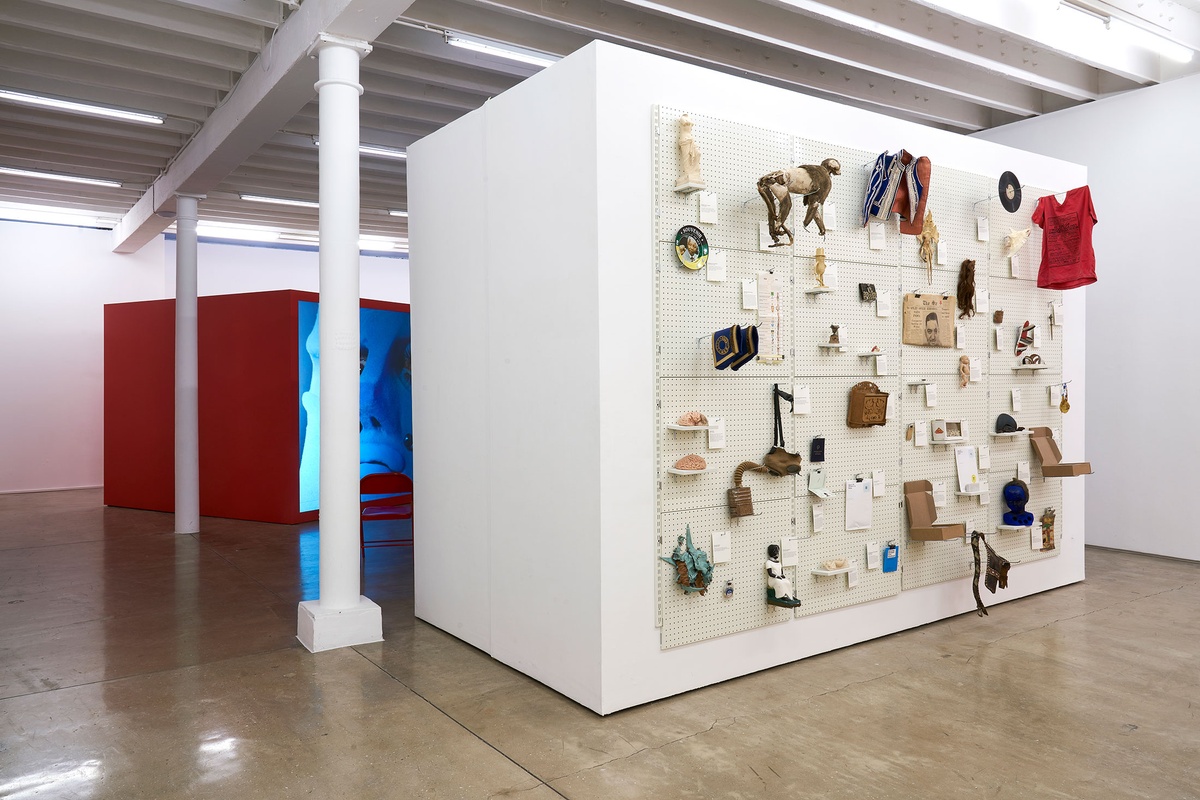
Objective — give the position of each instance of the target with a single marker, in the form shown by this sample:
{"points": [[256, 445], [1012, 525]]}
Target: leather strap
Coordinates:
{"points": [[980, 608], [778, 393]]}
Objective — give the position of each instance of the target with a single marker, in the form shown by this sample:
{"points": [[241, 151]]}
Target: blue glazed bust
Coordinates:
{"points": [[1016, 495]]}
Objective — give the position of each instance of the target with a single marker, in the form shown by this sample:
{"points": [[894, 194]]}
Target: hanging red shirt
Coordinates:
{"points": [[1068, 259]]}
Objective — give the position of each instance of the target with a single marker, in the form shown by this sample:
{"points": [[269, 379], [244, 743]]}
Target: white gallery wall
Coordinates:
{"points": [[1140, 151], [54, 283], [548, 561]]}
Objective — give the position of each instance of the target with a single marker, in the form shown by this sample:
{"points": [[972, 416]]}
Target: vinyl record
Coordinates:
{"points": [[691, 246], [1010, 192]]}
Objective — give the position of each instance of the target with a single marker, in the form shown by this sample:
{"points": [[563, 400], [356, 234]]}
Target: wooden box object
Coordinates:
{"points": [[868, 406]]}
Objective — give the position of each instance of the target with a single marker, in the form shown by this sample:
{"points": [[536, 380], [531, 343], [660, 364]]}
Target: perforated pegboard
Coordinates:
{"points": [[689, 308], [689, 618]]}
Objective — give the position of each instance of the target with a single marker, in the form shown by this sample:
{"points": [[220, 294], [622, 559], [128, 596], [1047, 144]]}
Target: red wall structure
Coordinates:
{"points": [[249, 411]]}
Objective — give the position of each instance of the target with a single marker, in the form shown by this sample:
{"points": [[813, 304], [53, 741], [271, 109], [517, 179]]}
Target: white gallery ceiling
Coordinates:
{"points": [[232, 83]]}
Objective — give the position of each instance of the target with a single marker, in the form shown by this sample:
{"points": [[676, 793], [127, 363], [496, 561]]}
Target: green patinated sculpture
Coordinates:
{"points": [[693, 570]]}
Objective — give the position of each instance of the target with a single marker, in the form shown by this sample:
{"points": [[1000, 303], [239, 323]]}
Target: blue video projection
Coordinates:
{"points": [[385, 396]]}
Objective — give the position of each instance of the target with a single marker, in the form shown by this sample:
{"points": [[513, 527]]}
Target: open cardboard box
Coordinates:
{"points": [[922, 516], [1051, 458]]}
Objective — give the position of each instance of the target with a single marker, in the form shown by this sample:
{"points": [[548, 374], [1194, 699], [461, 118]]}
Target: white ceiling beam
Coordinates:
{"points": [[110, 78], [268, 13], [36, 83], [691, 43], [163, 17], [457, 17], [267, 96], [405, 39], [436, 73], [88, 53], [1169, 19], [1037, 28], [83, 28]]}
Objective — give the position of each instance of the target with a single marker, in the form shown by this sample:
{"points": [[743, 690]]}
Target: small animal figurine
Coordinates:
{"points": [[833, 336]]}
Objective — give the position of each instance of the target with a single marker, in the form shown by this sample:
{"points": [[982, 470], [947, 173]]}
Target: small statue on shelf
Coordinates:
{"points": [[929, 241], [833, 336], [1016, 495], [819, 267], [812, 181], [964, 371], [690, 179], [779, 588], [693, 569]]}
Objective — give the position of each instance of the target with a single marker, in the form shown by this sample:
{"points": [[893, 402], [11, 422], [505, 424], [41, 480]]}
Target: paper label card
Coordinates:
{"points": [[967, 463], [1014, 265], [981, 229], [722, 547], [831, 277], [883, 304], [939, 494], [852, 575], [931, 395], [1056, 313], [714, 270], [982, 302], [985, 458], [976, 374], [876, 235], [708, 208], [999, 338], [960, 336], [890, 410], [941, 251], [1037, 335], [858, 505], [716, 434], [818, 514], [878, 483], [764, 236], [750, 295], [1016, 399], [1035, 538], [1052, 394], [881, 368], [921, 430], [874, 556], [803, 402], [830, 216], [985, 493], [790, 551], [1023, 471]]}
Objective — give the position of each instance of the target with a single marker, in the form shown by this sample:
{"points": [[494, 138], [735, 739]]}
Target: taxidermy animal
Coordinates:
{"points": [[812, 181], [929, 242], [1015, 239]]}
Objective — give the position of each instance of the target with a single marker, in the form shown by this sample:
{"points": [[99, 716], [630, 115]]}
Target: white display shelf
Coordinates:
{"points": [[1031, 367], [674, 471], [949, 440], [922, 382], [828, 346], [672, 426], [841, 571], [869, 354], [1012, 435], [970, 494], [820, 290], [1012, 528]]}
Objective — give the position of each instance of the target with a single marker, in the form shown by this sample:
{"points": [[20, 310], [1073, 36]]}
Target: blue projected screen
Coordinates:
{"points": [[385, 396]]}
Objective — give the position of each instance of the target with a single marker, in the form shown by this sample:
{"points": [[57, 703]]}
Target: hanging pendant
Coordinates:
{"points": [[1064, 405]]}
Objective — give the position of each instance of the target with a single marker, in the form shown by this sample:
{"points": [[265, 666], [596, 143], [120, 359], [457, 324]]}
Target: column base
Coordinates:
{"points": [[320, 628]]}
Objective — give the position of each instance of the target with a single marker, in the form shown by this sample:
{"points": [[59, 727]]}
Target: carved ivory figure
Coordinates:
{"points": [[690, 178]]}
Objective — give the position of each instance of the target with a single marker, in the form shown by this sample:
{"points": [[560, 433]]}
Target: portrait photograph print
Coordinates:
{"points": [[929, 320], [691, 246]]}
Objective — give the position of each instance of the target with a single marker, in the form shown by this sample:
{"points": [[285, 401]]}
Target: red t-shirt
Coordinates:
{"points": [[1067, 256]]}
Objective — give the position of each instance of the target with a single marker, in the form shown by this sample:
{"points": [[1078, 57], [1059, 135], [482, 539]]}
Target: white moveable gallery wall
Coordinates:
{"points": [[534, 329]]}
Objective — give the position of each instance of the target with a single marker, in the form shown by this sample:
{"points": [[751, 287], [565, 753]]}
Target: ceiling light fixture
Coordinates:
{"points": [[511, 52], [374, 150], [58, 176], [55, 215], [235, 232], [279, 201], [77, 107], [395, 212]]}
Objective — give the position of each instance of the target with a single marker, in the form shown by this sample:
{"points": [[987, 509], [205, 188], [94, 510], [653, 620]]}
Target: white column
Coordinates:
{"points": [[341, 616], [187, 413]]}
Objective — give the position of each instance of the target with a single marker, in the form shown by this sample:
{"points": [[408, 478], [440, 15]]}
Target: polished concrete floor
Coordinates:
{"points": [[135, 663]]}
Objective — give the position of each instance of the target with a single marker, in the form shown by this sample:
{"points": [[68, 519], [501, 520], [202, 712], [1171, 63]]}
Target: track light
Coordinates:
{"points": [[76, 107], [58, 176]]}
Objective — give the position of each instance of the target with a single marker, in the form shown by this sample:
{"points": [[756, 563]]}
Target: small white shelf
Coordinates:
{"points": [[829, 346], [674, 471], [1020, 367], [688, 188], [672, 426], [918, 383], [970, 494], [949, 440], [820, 290], [869, 354], [1012, 528], [841, 571], [1012, 435]]}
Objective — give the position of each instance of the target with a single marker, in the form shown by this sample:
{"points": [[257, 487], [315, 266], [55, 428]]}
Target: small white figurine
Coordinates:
{"points": [[690, 179], [1015, 239]]}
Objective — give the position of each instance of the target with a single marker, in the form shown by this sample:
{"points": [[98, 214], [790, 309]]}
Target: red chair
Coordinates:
{"points": [[396, 504]]}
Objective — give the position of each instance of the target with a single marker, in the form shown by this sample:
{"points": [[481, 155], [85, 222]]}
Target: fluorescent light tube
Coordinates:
{"points": [[58, 176], [76, 107], [244, 233], [503, 51], [279, 201], [55, 215], [395, 212], [382, 152], [1141, 37]]}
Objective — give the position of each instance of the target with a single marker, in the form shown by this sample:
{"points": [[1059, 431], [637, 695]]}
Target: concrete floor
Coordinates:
{"points": [[135, 663]]}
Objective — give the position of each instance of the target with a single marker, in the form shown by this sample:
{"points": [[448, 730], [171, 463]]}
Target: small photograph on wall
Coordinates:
{"points": [[929, 320]]}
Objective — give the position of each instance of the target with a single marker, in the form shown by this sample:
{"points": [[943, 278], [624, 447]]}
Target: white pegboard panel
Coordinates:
{"points": [[688, 618], [820, 593], [848, 451], [927, 563], [849, 241], [860, 328], [690, 308], [952, 195], [927, 362], [745, 405], [732, 159]]}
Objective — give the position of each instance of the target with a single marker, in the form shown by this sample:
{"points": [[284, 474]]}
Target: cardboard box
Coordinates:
{"points": [[1050, 457], [922, 515]]}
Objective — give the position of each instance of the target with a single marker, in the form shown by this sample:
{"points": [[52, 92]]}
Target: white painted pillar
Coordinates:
{"points": [[187, 406], [341, 616]]}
